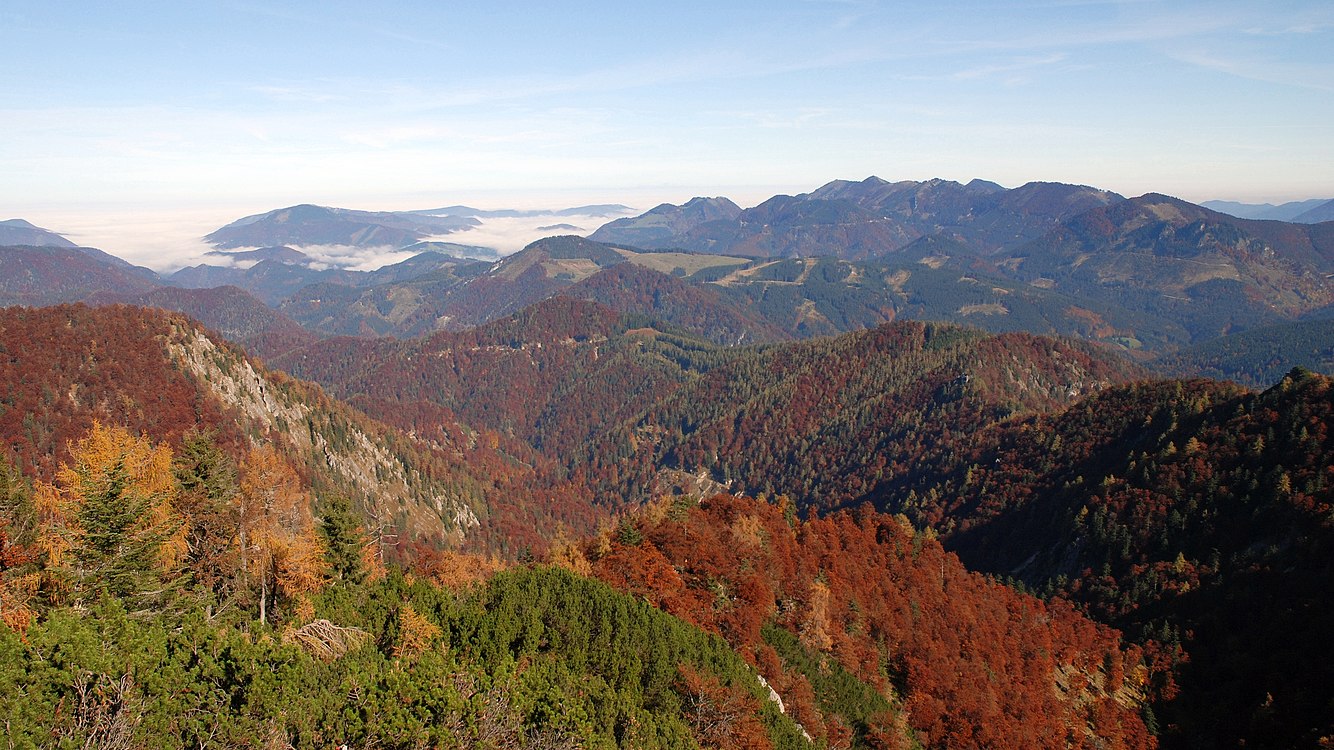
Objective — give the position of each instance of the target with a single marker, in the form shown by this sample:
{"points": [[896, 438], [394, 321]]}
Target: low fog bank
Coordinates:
{"points": [[167, 241]]}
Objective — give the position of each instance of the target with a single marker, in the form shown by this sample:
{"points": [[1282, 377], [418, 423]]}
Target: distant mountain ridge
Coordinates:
{"points": [[469, 295], [1148, 275], [307, 224], [43, 276], [1321, 213], [1163, 256], [20, 232], [1295, 211], [599, 210], [49, 275], [858, 220], [662, 223]]}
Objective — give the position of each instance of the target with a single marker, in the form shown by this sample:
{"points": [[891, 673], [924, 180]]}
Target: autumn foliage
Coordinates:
{"points": [[976, 664], [108, 519], [280, 547]]}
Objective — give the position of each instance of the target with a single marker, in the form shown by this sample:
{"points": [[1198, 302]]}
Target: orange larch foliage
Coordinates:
{"points": [[109, 462], [280, 547]]}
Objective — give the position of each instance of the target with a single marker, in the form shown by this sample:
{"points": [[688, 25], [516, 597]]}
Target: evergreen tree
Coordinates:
{"points": [[18, 582], [209, 486], [344, 540], [16, 511]]}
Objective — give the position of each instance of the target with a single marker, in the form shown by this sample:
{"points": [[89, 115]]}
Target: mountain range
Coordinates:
{"points": [[485, 440], [824, 458], [1148, 275], [1303, 212]]}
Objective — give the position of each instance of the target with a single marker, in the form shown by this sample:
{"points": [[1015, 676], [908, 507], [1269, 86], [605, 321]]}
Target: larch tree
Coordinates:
{"points": [[108, 521], [280, 547]]}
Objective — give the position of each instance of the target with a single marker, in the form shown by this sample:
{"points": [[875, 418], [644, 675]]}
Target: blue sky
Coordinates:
{"points": [[171, 106]]}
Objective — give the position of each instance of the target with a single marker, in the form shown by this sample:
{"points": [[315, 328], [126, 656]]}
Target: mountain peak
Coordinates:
{"points": [[984, 186], [666, 221], [307, 224], [280, 253], [22, 232]]}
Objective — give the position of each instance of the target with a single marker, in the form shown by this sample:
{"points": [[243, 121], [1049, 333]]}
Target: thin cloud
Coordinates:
{"points": [[1017, 65], [509, 235], [1315, 77]]}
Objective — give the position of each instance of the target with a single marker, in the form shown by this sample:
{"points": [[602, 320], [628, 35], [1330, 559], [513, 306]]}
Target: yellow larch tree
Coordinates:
{"points": [[280, 548], [107, 522]]}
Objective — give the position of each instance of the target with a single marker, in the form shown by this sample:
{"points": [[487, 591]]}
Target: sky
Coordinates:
{"points": [[138, 127]]}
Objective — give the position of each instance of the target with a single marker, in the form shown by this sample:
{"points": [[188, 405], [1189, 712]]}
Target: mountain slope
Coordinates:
{"points": [[657, 227], [456, 296], [1214, 272], [51, 275], [1316, 214], [976, 664], [159, 374], [796, 418], [317, 225], [1257, 357], [980, 215], [867, 219], [1282, 212], [20, 232], [531, 658], [1195, 515], [830, 421], [39, 276], [231, 312], [278, 277]]}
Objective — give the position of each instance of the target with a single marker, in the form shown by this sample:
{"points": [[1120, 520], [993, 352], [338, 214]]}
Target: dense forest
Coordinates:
{"points": [[172, 597], [777, 525], [976, 664], [1194, 515]]}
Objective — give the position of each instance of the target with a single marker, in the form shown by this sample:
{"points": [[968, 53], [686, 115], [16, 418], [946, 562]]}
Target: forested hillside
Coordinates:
{"points": [[770, 418], [160, 375], [152, 600], [1257, 358], [160, 597], [865, 596], [984, 439], [1193, 514]]}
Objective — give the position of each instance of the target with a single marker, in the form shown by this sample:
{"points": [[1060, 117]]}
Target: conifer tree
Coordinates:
{"points": [[344, 539], [109, 520], [280, 548], [18, 582], [209, 487]]}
